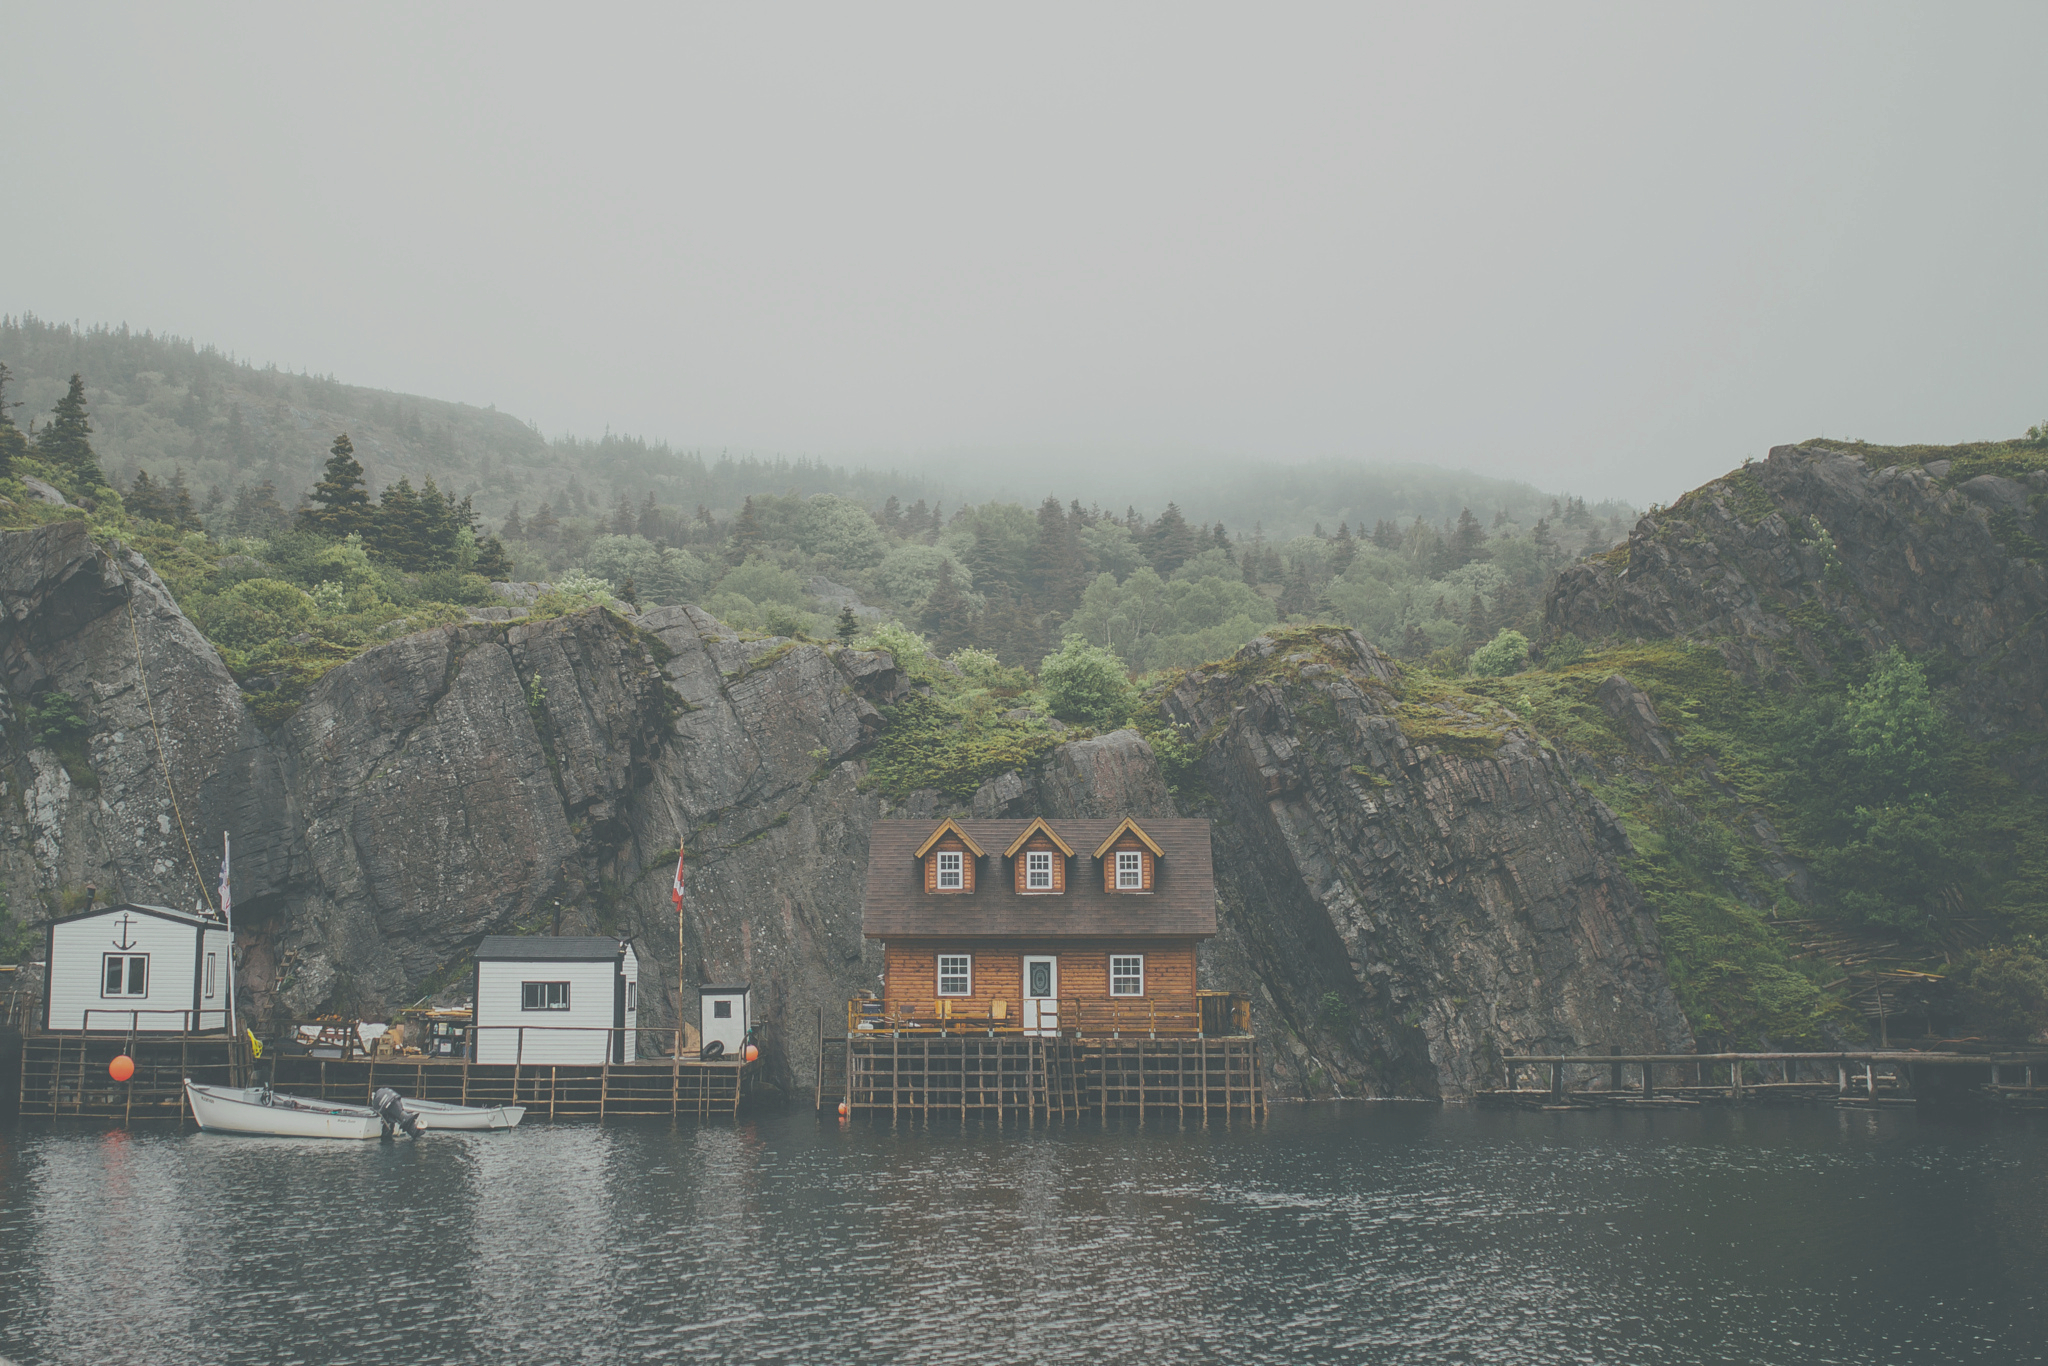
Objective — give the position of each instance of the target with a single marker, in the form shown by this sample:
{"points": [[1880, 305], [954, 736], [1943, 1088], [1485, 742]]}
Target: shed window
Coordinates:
{"points": [[632, 995], [209, 974], [956, 974], [1127, 974], [1038, 872], [1130, 871], [125, 974], [721, 1010], [949, 872], [544, 996]]}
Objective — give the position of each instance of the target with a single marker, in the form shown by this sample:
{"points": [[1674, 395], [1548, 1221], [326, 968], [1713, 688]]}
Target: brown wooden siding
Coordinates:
{"points": [[912, 969], [1122, 846], [1040, 845], [949, 845]]}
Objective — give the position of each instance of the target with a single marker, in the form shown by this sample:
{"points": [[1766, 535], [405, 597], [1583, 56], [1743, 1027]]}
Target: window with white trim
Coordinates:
{"points": [[209, 974], [544, 996], [956, 974], [1038, 872], [1127, 974], [1130, 871], [124, 974], [949, 872], [632, 995]]}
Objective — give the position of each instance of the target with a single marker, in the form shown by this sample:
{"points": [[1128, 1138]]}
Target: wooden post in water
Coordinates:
{"points": [[1614, 1070], [1649, 1082], [1557, 1083], [1869, 1081], [1841, 1079]]}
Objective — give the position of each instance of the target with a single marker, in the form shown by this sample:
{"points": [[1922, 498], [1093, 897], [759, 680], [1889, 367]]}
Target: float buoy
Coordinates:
{"points": [[843, 1111], [121, 1068], [752, 1054]]}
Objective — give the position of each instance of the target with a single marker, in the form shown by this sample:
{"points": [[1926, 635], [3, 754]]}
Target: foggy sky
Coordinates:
{"points": [[1614, 249]]}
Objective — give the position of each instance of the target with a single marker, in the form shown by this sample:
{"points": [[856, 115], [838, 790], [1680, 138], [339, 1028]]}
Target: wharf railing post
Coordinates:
{"points": [[1649, 1079], [1557, 1082], [1841, 1080], [1614, 1070], [1869, 1082]]}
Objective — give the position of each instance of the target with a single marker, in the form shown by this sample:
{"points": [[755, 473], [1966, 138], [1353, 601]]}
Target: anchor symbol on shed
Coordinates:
{"points": [[125, 941]]}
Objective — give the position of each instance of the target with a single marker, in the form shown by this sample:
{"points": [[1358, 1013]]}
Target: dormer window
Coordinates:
{"points": [[1130, 871], [948, 856], [1038, 871], [950, 877]]}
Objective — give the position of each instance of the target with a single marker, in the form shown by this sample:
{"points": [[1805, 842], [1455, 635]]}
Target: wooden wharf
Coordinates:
{"points": [[1857, 1078], [66, 1076], [983, 1069]]}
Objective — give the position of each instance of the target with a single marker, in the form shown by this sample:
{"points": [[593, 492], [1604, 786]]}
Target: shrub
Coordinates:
{"points": [[1507, 653], [1086, 684], [2004, 991]]}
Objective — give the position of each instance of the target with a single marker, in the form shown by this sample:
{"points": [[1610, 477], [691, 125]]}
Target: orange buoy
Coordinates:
{"points": [[843, 1111], [752, 1054], [121, 1068]]}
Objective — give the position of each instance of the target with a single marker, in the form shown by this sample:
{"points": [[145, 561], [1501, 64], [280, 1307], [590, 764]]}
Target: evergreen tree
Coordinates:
{"points": [[1476, 633], [1466, 543], [397, 532], [1343, 550], [63, 444], [256, 511], [492, 562], [892, 513], [145, 499], [746, 535], [183, 515], [1170, 542], [624, 522], [13, 444], [513, 528], [544, 524], [1219, 539], [341, 502], [849, 625], [1386, 535], [1053, 572], [1414, 644], [948, 619]]}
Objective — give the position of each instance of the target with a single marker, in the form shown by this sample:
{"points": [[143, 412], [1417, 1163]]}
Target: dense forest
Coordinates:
{"points": [[1022, 618]]}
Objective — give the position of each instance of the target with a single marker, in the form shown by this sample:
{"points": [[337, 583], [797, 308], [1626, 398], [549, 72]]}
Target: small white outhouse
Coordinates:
{"points": [[724, 1017], [145, 969], [572, 999]]}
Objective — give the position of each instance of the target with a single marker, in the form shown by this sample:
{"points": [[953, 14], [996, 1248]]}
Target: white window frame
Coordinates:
{"points": [[1126, 968], [1037, 864], [1130, 870], [963, 973], [632, 995], [545, 997], [209, 974], [952, 863], [128, 962]]}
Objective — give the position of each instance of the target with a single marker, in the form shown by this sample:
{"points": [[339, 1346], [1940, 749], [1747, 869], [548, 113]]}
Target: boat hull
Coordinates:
{"points": [[235, 1110], [440, 1115]]}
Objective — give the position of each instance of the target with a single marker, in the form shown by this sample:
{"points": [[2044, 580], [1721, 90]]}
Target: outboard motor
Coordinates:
{"points": [[391, 1106]]}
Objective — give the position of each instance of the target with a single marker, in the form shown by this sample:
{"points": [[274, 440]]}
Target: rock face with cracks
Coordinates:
{"points": [[1401, 911]]}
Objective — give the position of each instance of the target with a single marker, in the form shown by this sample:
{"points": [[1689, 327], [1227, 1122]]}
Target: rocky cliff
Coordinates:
{"points": [[1820, 555], [1407, 887]]}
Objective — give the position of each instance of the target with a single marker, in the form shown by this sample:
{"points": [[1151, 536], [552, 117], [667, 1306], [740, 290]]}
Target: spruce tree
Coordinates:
{"points": [[13, 444], [849, 625], [492, 562], [512, 527], [399, 532], [948, 619], [63, 444], [183, 515], [746, 534], [145, 499], [341, 502], [544, 524]]}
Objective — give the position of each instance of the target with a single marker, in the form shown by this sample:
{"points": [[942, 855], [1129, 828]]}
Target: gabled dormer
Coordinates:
{"points": [[1038, 860], [949, 859], [1130, 859]]}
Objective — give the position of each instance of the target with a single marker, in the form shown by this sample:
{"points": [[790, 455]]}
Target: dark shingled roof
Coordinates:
{"points": [[1182, 904], [548, 948]]}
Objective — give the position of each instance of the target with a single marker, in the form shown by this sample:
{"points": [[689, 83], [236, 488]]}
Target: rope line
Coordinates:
{"points": [[161, 763]]}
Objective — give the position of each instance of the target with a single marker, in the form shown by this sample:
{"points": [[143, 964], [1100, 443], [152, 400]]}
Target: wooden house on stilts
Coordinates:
{"points": [[1042, 967]]}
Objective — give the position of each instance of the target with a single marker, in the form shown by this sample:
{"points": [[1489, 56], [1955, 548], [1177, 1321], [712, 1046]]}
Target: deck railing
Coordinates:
{"points": [[351, 1046], [1214, 1013], [118, 1021]]}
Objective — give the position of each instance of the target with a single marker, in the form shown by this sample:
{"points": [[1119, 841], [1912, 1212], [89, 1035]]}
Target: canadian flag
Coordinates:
{"points": [[676, 895]]}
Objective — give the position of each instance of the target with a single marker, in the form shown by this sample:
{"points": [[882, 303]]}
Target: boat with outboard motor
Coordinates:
{"points": [[260, 1110]]}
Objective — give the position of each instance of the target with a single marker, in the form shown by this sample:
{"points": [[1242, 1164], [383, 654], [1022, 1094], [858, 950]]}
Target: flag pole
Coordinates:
{"points": [[682, 951], [227, 909]]}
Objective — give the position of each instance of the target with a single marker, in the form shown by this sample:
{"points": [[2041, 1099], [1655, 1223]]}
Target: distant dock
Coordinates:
{"points": [[2009, 1080]]}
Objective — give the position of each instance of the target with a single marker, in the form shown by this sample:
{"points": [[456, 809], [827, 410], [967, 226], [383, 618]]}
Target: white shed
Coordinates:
{"points": [[144, 968], [572, 999], [723, 1016]]}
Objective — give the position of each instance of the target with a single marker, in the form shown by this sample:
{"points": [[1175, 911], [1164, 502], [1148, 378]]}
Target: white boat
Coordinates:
{"points": [[259, 1110], [440, 1115]]}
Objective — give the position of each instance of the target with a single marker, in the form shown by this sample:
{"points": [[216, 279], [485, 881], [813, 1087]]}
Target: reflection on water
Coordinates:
{"points": [[1363, 1233]]}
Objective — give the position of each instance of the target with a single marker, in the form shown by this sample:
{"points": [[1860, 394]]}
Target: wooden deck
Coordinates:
{"points": [[666, 1087], [65, 1076], [1855, 1079], [1016, 1079]]}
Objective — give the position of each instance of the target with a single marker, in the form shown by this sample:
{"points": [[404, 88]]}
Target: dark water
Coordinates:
{"points": [[1366, 1233]]}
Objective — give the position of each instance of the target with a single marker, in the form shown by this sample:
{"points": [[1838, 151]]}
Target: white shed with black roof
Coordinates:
{"points": [[132, 968], [568, 999]]}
